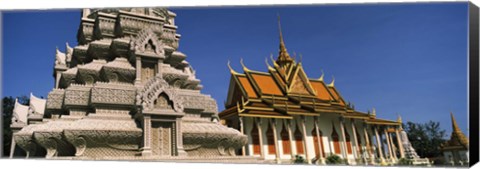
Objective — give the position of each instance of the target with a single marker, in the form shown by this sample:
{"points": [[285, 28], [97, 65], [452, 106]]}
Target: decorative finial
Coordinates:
{"points": [[332, 84], [374, 113], [399, 118], [268, 65], [301, 58], [231, 69], [243, 65], [321, 76], [454, 123], [273, 60], [283, 56]]}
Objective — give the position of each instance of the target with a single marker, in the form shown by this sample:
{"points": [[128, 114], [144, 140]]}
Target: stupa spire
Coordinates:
{"points": [[454, 123], [283, 56]]}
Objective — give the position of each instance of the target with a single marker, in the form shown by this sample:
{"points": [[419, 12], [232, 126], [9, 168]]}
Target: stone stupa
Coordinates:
{"points": [[126, 92]]}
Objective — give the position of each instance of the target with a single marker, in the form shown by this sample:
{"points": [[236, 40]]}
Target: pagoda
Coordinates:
{"points": [[286, 113], [455, 150], [124, 92]]}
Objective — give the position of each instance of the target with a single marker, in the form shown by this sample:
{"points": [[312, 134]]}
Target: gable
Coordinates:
{"points": [[299, 83]]}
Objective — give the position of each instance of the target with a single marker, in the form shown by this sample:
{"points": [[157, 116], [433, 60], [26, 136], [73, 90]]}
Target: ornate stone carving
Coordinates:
{"points": [[147, 42], [108, 93], [55, 99]]}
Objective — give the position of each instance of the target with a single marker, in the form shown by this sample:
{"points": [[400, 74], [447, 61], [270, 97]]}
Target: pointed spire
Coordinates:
{"points": [[332, 84], [399, 118], [231, 69], [374, 113], [283, 56], [454, 123]]}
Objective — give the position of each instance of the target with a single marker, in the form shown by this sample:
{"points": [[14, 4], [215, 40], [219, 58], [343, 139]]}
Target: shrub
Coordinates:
{"points": [[334, 159], [299, 160], [404, 161]]}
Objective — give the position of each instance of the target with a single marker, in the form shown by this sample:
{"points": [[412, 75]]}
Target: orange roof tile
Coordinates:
{"points": [[322, 91], [266, 84], [336, 95], [247, 86]]}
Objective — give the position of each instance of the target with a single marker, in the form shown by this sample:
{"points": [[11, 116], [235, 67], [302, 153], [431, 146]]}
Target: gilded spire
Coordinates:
{"points": [[457, 138], [283, 56], [454, 123]]}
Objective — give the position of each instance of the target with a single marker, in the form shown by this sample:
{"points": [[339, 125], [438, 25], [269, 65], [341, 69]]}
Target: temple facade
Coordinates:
{"points": [[124, 92], [286, 113], [455, 150]]}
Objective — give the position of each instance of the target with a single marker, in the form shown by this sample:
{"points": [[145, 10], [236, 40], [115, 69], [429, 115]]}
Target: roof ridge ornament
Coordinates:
{"points": [[321, 76], [268, 64], [243, 65], [332, 84], [231, 69]]}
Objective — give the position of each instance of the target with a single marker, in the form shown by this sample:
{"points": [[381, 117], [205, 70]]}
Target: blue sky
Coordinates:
{"points": [[409, 59]]}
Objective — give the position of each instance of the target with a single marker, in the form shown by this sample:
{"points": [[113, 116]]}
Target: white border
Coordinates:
{"points": [[70, 4]]}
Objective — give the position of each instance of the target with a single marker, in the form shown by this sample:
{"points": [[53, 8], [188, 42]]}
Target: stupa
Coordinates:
{"points": [[125, 92]]}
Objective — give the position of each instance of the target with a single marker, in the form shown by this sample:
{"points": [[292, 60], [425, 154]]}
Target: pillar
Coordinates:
{"points": [[399, 141], [304, 132], [275, 138], [147, 125], [138, 65], [290, 136], [394, 149], [367, 145], [379, 146], [355, 139], [242, 130], [343, 142], [260, 137], [179, 139], [320, 148], [159, 66], [12, 147], [389, 146]]}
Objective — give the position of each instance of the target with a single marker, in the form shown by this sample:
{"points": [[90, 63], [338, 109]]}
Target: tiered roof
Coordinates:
{"points": [[286, 90]]}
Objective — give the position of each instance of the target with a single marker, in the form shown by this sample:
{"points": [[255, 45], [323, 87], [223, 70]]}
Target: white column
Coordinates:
{"points": [[242, 130], [394, 149], [260, 136], [304, 132], [275, 138], [367, 145], [12, 147], [355, 139], [344, 140], [389, 146], [399, 141], [290, 138], [320, 148], [379, 144]]}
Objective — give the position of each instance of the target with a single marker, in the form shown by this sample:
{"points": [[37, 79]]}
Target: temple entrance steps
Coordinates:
{"points": [[206, 159]]}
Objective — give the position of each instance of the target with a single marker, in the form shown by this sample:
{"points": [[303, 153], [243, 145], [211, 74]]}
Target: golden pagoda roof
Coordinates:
{"points": [[285, 90], [458, 140]]}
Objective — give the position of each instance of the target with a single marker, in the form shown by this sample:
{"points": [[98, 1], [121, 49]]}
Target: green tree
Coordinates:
{"points": [[425, 138], [8, 104]]}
